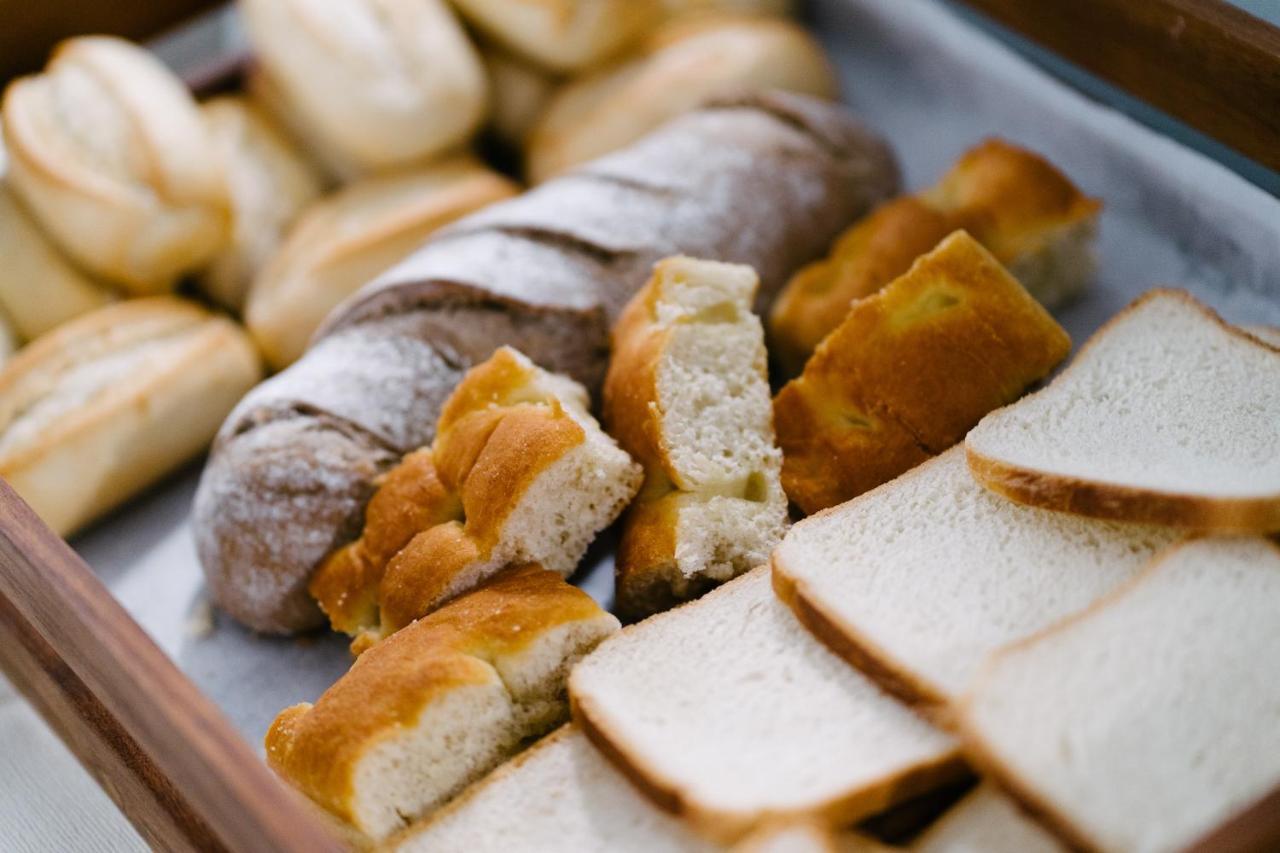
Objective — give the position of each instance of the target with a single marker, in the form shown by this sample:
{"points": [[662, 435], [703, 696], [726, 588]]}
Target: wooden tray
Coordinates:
{"points": [[185, 767]]}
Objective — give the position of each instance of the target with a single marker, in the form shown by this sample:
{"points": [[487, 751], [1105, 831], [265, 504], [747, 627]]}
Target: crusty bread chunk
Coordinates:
{"points": [[1142, 723], [687, 395], [560, 795], [1013, 201], [987, 821], [909, 371], [920, 607], [727, 712], [519, 472], [1168, 415], [437, 705]]}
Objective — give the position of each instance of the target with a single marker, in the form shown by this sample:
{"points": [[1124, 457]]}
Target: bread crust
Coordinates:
{"points": [[1116, 501]]}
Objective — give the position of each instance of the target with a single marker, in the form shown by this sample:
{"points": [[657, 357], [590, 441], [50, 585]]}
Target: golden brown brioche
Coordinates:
{"points": [[108, 152], [680, 66], [519, 471], [909, 371], [1011, 200], [109, 402], [688, 396], [345, 239], [437, 705]]}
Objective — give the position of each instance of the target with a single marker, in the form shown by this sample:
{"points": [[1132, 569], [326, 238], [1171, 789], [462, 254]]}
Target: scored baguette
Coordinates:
{"points": [[1168, 415], [765, 181]]}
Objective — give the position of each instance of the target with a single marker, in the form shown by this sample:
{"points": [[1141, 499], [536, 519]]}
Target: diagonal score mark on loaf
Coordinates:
{"points": [[766, 181]]}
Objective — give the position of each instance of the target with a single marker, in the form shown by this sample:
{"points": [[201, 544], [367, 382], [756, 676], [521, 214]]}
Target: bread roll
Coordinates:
{"points": [[346, 239], [373, 84], [104, 405], [108, 151], [270, 184], [520, 92], [437, 705], [766, 181], [563, 35], [678, 67]]}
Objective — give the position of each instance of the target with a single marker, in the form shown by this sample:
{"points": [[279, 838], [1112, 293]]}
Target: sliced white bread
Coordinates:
{"points": [[807, 836], [1142, 723], [987, 821], [919, 580], [1266, 334], [727, 712], [561, 795], [687, 395], [1168, 415]]}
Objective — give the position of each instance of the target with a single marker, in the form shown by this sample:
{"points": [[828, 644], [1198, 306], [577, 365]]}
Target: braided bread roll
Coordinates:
{"points": [[766, 180]]}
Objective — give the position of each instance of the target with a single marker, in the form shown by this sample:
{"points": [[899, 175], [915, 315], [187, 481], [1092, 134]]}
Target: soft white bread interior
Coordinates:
{"points": [[678, 67], [519, 472], [919, 580], [270, 182], [106, 404], [687, 395], [560, 795], [1142, 723], [987, 821], [345, 239], [727, 712], [438, 705], [1167, 415], [377, 84], [108, 151]]}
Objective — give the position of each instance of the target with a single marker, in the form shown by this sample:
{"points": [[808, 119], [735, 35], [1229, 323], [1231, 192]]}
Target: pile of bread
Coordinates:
{"points": [[358, 134]]}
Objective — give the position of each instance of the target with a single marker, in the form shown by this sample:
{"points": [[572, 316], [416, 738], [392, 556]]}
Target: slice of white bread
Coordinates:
{"points": [[986, 821], [687, 395], [919, 580], [1167, 415], [1145, 721], [437, 705], [1266, 334], [727, 712], [807, 836], [560, 795]]}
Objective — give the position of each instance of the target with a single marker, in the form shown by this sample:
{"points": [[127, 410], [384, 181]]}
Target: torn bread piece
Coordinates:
{"points": [[1149, 719], [687, 395], [728, 713], [909, 371], [1168, 415], [439, 704], [987, 821], [519, 472], [919, 606]]}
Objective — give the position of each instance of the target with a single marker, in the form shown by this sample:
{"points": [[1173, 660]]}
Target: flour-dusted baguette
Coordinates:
{"points": [[1168, 415], [727, 712], [439, 704], [107, 403], [519, 472], [687, 394], [1144, 722], [371, 84], [909, 371], [678, 67], [107, 149], [764, 181], [987, 821]]}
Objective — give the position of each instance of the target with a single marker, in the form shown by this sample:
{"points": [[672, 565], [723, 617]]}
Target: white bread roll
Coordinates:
{"points": [[681, 66], [344, 240], [371, 84], [109, 152], [106, 404], [270, 184], [563, 35]]}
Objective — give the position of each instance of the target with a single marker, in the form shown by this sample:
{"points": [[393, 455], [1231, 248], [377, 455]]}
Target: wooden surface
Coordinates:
{"points": [[158, 747], [1205, 62]]}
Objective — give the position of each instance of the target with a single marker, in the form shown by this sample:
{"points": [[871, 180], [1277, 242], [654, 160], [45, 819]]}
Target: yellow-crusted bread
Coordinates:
{"points": [[687, 395], [436, 706], [1011, 200], [519, 472], [909, 371]]}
